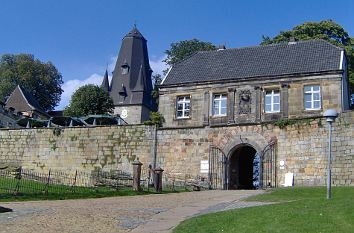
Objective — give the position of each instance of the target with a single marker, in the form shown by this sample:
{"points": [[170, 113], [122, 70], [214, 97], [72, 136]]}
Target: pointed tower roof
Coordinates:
{"points": [[105, 82], [140, 85], [132, 71], [134, 33]]}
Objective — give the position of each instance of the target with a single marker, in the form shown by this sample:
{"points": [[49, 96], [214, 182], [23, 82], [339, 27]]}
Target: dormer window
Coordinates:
{"points": [[125, 68]]}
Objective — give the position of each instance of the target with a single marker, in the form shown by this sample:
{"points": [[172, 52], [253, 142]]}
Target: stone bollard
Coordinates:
{"points": [[136, 175], [158, 179]]}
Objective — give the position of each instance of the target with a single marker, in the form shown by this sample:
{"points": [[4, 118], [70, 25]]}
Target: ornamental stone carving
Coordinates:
{"points": [[245, 101]]}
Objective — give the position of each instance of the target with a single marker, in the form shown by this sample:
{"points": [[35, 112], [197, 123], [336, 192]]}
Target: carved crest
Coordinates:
{"points": [[245, 102]]}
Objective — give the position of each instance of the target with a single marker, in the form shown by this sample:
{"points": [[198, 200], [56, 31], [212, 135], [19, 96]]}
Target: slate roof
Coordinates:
{"points": [[135, 86], [267, 61], [22, 101], [135, 33], [105, 82]]}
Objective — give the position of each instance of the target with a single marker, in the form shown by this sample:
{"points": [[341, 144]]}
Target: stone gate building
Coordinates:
{"points": [[226, 103]]}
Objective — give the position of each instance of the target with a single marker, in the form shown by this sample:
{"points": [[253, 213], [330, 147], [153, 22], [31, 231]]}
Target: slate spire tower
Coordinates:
{"points": [[105, 82], [131, 84]]}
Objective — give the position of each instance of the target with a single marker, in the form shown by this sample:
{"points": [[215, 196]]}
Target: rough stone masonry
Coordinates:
{"points": [[302, 146]]}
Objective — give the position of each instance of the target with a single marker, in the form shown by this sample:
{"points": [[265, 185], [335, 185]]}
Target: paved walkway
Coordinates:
{"points": [[152, 213]]}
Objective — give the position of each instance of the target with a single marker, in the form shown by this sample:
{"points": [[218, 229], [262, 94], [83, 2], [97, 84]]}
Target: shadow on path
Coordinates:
{"points": [[4, 210]]}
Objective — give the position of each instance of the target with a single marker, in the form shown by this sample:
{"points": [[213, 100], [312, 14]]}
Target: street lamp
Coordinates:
{"points": [[331, 115]]}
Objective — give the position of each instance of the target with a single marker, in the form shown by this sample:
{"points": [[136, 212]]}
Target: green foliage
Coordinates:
{"points": [[156, 118], [155, 91], [156, 80], [299, 210], [57, 131], [282, 123], [327, 30], [89, 100], [183, 49], [319, 123], [42, 80]]}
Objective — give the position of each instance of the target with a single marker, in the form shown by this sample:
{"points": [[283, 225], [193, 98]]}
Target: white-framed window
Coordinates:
{"points": [[219, 104], [312, 97], [272, 101], [183, 107]]}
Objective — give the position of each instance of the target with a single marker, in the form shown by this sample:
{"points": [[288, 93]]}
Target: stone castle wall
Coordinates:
{"points": [[302, 145], [70, 149]]}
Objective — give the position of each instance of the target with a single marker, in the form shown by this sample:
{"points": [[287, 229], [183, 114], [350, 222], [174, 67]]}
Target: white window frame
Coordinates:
{"points": [[272, 94], [219, 97], [183, 100], [312, 92]]}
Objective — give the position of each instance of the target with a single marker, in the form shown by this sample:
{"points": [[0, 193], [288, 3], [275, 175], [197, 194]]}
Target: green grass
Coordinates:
{"points": [[301, 210], [31, 190]]}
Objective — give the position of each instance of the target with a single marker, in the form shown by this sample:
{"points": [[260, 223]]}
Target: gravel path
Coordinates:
{"points": [[150, 213]]}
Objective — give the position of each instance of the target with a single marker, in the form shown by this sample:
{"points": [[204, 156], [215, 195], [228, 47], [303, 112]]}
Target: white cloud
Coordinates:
{"points": [[70, 86], [112, 64], [157, 65]]}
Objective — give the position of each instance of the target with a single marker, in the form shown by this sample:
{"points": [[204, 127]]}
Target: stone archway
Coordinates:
{"points": [[240, 153], [241, 167]]}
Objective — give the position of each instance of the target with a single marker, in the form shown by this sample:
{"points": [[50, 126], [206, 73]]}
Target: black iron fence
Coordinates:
{"points": [[21, 181]]}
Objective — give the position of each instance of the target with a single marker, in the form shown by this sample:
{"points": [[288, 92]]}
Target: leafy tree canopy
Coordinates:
{"points": [[89, 100], [156, 118], [327, 30], [183, 49], [42, 80]]}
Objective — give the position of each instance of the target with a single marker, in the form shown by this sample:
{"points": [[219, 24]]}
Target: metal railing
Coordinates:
{"points": [[27, 182]]}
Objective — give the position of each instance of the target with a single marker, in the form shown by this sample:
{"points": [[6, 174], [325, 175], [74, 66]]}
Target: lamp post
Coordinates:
{"points": [[331, 115]]}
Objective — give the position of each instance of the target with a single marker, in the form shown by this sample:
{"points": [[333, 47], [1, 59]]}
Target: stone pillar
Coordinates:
{"points": [[231, 105], [206, 108], [136, 175], [258, 90], [284, 99], [158, 179]]}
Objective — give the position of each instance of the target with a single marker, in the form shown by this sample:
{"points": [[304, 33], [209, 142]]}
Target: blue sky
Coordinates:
{"points": [[82, 37]]}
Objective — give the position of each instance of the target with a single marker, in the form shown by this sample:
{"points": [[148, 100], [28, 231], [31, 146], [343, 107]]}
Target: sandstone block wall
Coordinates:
{"points": [[82, 149], [302, 146]]}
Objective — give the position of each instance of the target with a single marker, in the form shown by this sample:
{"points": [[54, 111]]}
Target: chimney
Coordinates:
{"points": [[221, 47], [292, 40]]}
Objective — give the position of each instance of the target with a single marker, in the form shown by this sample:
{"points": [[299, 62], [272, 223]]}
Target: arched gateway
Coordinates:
{"points": [[243, 164], [243, 168]]}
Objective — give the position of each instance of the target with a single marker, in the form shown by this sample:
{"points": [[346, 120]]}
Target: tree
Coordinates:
{"points": [[327, 30], [156, 118], [42, 80], [183, 49], [89, 100], [156, 80]]}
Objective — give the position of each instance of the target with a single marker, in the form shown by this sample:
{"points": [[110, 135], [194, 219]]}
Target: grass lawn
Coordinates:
{"points": [[302, 210], [31, 190]]}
